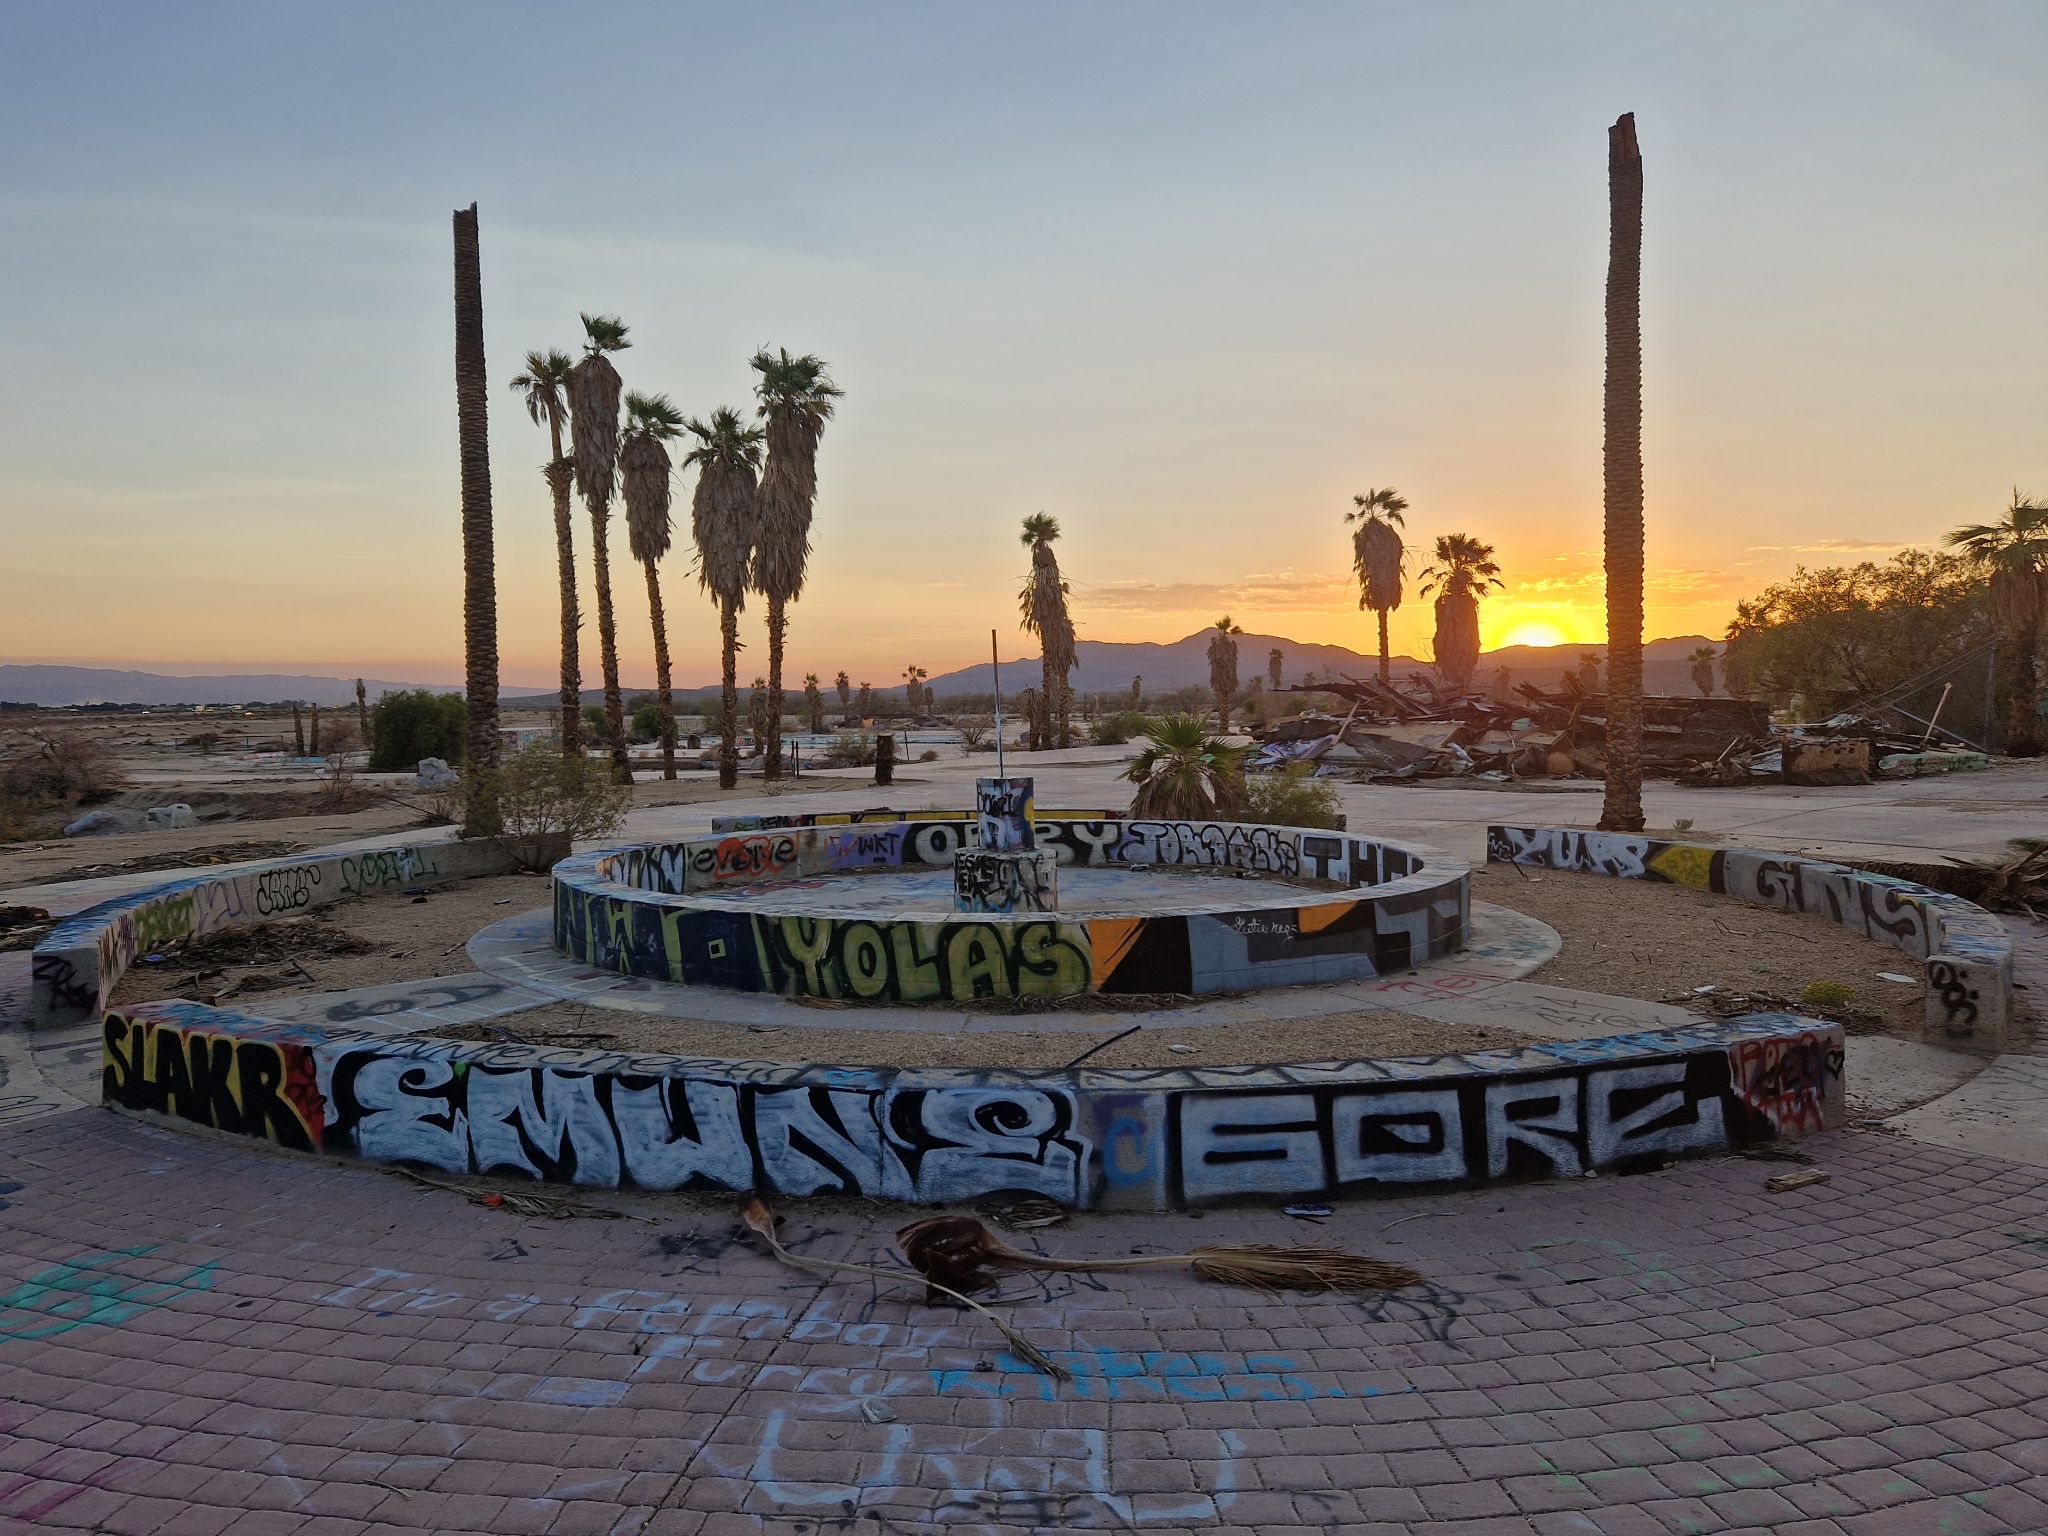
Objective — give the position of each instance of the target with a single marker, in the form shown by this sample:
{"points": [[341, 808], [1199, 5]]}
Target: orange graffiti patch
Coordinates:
{"points": [[1112, 939], [1315, 919]]}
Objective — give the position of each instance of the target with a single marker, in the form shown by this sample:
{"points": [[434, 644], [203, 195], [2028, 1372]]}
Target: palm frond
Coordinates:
{"points": [[959, 1253], [604, 333], [723, 511]]}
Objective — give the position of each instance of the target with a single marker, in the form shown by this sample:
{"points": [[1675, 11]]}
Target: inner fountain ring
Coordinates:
{"points": [[742, 911]]}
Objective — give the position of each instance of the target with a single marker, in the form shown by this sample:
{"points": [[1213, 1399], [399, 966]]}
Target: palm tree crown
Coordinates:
{"points": [[2018, 541], [1042, 605], [594, 387], [796, 398], [545, 385], [1464, 565], [1464, 568], [727, 459], [1376, 553], [644, 473]]}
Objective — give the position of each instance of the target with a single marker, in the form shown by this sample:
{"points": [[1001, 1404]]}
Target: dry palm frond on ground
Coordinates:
{"points": [[958, 1253], [761, 1222]]}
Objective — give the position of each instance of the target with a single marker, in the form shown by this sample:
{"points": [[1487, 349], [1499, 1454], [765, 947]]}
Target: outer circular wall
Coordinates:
{"points": [[630, 911]]}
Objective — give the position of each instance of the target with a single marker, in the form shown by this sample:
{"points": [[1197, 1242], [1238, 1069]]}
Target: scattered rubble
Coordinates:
{"points": [[1418, 731]]}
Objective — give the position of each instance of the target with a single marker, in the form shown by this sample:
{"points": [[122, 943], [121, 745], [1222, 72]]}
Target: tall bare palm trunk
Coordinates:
{"points": [[608, 651], [1048, 695], [1386, 667], [565, 572], [778, 631], [1622, 467], [664, 698], [479, 573], [729, 696]]}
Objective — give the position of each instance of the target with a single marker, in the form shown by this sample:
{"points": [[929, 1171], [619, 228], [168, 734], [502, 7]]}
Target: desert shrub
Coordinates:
{"points": [[1827, 994], [545, 798], [413, 724], [1293, 797], [49, 766], [928, 756], [974, 731], [205, 741], [1113, 730], [849, 752], [646, 724], [594, 720]]}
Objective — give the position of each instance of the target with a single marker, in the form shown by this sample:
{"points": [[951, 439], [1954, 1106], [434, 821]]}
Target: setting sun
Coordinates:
{"points": [[1533, 632]]}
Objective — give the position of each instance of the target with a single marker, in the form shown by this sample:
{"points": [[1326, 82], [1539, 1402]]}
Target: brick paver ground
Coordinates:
{"points": [[197, 1338]]}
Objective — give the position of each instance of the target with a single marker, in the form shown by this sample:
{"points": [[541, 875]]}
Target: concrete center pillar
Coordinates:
{"points": [[1007, 871]]}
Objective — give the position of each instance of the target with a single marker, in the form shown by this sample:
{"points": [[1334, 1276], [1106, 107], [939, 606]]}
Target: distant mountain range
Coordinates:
{"points": [[1103, 666], [103, 685]]}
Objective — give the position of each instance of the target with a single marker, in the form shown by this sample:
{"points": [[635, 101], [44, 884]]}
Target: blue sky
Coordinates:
{"points": [[1185, 275]]}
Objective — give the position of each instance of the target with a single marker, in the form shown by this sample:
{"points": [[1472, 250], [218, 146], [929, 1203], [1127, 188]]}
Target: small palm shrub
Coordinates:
{"points": [[1185, 774]]}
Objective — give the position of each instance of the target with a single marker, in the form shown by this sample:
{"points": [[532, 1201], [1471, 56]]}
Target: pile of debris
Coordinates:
{"points": [[1418, 731]]}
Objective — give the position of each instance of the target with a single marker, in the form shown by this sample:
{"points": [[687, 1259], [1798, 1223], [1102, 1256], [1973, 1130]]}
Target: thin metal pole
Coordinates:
{"points": [[995, 668]]}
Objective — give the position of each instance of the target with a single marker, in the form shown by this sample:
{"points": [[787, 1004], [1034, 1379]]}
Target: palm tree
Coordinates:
{"points": [[1589, 671], [845, 686], [1621, 808], [796, 402], [867, 702], [1274, 662], [1043, 606], [479, 569], [594, 389], [363, 714], [1703, 659], [913, 690], [757, 714], [1464, 569], [644, 471], [814, 703], [545, 385], [722, 516], [1186, 774], [1137, 690], [1377, 558], [2015, 552], [1223, 668]]}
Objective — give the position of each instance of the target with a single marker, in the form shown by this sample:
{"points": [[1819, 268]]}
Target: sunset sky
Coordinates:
{"points": [[1186, 276]]}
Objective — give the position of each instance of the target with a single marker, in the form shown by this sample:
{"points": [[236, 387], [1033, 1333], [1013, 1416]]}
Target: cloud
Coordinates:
{"points": [[1842, 546], [1283, 589]]}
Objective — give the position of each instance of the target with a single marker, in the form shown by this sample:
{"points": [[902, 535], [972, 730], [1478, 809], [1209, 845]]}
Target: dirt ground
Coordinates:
{"points": [[408, 936], [1367, 1032], [1634, 938], [1630, 939]]}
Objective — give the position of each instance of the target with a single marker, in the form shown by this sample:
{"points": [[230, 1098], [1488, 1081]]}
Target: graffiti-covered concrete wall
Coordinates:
{"points": [[1388, 908], [1120, 1139], [78, 962], [1967, 953]]}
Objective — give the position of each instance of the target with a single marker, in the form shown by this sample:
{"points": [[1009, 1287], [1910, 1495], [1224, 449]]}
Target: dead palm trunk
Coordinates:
{"points": [[771, 712], [729, 695], [1386, 660], [664, 697], [1622, 469], [559, 475], [363, 714], [479, 572]]}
